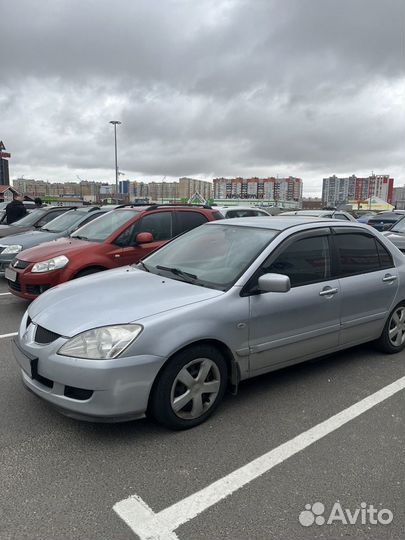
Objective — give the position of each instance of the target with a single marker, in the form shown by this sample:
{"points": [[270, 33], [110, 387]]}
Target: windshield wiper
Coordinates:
{"points": [[178, 272], [79, 237], [140, 263]]}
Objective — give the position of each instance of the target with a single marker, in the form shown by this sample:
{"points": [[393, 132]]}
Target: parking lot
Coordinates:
{"points": [[62, 478]]}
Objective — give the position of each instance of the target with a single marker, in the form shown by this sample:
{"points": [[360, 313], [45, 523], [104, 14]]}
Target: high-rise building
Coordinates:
{"points": [[271, 190], [398, 198], [189, 186], [352, 189], [4, 172]]}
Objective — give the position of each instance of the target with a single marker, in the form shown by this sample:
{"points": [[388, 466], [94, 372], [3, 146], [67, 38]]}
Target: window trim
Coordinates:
{"points": [[300, 235]]}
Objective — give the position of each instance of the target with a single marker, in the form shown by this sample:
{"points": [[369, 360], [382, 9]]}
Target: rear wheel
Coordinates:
{"points": [[392, 339], [190, 387]]}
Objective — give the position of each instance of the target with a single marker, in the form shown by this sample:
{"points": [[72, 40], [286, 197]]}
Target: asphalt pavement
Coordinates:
{"points": [[61, 479]]}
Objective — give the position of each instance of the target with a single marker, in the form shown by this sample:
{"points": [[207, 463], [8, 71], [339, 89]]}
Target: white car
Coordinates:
{"points": [[240, 211]]}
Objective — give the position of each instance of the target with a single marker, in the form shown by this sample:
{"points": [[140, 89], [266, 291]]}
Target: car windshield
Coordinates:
{"points": [[30, 219], [399, 227], [65, 221], [104, 226], [213, 256]]}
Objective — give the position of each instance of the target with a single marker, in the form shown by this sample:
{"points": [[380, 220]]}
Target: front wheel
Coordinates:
{"points": [[392, 339], [190, 387]]}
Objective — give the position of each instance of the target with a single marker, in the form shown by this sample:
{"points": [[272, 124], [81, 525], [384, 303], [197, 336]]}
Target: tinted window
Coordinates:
{"points": [[385, 257], [159, 225], [357, 253], [305, 261], [189, 220], [127, 238]]}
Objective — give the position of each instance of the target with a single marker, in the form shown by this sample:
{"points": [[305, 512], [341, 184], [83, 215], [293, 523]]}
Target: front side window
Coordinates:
{"points": [[158, 224], [304, 261], [50, 216], [358, 254]]}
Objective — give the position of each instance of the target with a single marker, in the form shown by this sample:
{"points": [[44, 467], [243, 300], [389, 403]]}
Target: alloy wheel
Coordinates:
{"points": [[195, 388], [396, 329]]}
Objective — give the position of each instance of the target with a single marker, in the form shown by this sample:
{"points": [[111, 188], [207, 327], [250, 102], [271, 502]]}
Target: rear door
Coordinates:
{"points": [[301, 323], [368, 281]]}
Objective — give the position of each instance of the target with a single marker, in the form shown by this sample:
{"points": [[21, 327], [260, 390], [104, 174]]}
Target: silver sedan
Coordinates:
{"points": [[229, 300]]}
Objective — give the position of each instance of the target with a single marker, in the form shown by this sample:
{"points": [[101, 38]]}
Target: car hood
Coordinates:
{"points": [[118, 296], [7, 230], [28, 239], [48, 250]]}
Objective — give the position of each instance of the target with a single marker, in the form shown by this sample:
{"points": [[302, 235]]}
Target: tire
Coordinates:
{"points": [[88, 272], [185, 368], [392, 339]]}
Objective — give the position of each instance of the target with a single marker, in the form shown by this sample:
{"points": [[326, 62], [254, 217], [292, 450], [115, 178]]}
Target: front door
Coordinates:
{"points": [[304, 322]]}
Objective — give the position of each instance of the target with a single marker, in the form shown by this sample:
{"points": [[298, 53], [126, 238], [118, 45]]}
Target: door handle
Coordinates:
{"points": [[389, 278], [328, 292], [116, 255]]}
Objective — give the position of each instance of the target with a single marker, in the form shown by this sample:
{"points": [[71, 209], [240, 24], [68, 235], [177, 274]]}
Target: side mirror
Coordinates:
{"points": [[274, 283], [144, 238]]}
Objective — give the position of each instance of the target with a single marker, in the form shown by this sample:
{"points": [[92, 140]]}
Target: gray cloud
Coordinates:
{"points": [[301, 87]]}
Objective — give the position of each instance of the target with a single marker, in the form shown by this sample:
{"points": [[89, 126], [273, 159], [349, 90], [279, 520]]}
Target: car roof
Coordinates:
{"points": [[280, 223]]}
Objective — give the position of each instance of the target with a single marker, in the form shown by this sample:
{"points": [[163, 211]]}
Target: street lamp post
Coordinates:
{"points": [[115, 123]]}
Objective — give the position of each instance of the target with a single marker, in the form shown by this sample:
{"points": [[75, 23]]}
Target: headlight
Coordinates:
{"points": [[101, 343], [52, 264], [12, 250]]}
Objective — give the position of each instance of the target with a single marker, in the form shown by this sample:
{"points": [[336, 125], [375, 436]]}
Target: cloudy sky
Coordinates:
{"points": [[203, 88]]}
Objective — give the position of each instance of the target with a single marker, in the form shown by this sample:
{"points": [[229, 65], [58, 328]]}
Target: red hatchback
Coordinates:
{"points": [[118, 238]]}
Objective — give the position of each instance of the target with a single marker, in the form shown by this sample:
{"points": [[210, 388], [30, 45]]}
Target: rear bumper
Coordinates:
{"points": [[95, 390]]}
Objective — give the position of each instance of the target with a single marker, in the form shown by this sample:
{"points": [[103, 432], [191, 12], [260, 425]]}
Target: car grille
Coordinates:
{"points": [[44, 336], [20, 264]]}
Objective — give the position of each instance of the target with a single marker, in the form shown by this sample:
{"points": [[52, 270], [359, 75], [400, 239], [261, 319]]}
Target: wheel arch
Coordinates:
{"points": [[231, 364]]}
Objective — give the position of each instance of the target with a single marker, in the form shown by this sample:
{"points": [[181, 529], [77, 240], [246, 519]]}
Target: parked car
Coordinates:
{"points": [[365, 217], [34, 220], [384, 220], [240, 211], [224, 302], [59, 227], [333, 214], [397, 234], [121, 237]]}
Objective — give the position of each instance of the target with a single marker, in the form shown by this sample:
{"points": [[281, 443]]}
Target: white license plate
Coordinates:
{"points": [[10, 274]]}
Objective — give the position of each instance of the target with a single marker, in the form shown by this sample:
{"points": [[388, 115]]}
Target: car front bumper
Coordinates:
{"points": [[95, 390], [30, 285]]}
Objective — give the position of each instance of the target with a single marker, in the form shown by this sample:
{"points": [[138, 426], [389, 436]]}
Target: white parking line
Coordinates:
{"points": [[4, 293], [8, 335], [149, 525]]}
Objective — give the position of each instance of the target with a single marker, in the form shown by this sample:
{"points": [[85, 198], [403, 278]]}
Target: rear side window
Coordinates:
{"points": [[185, 221], [158, 224], [305, 261], [359, 254]]}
